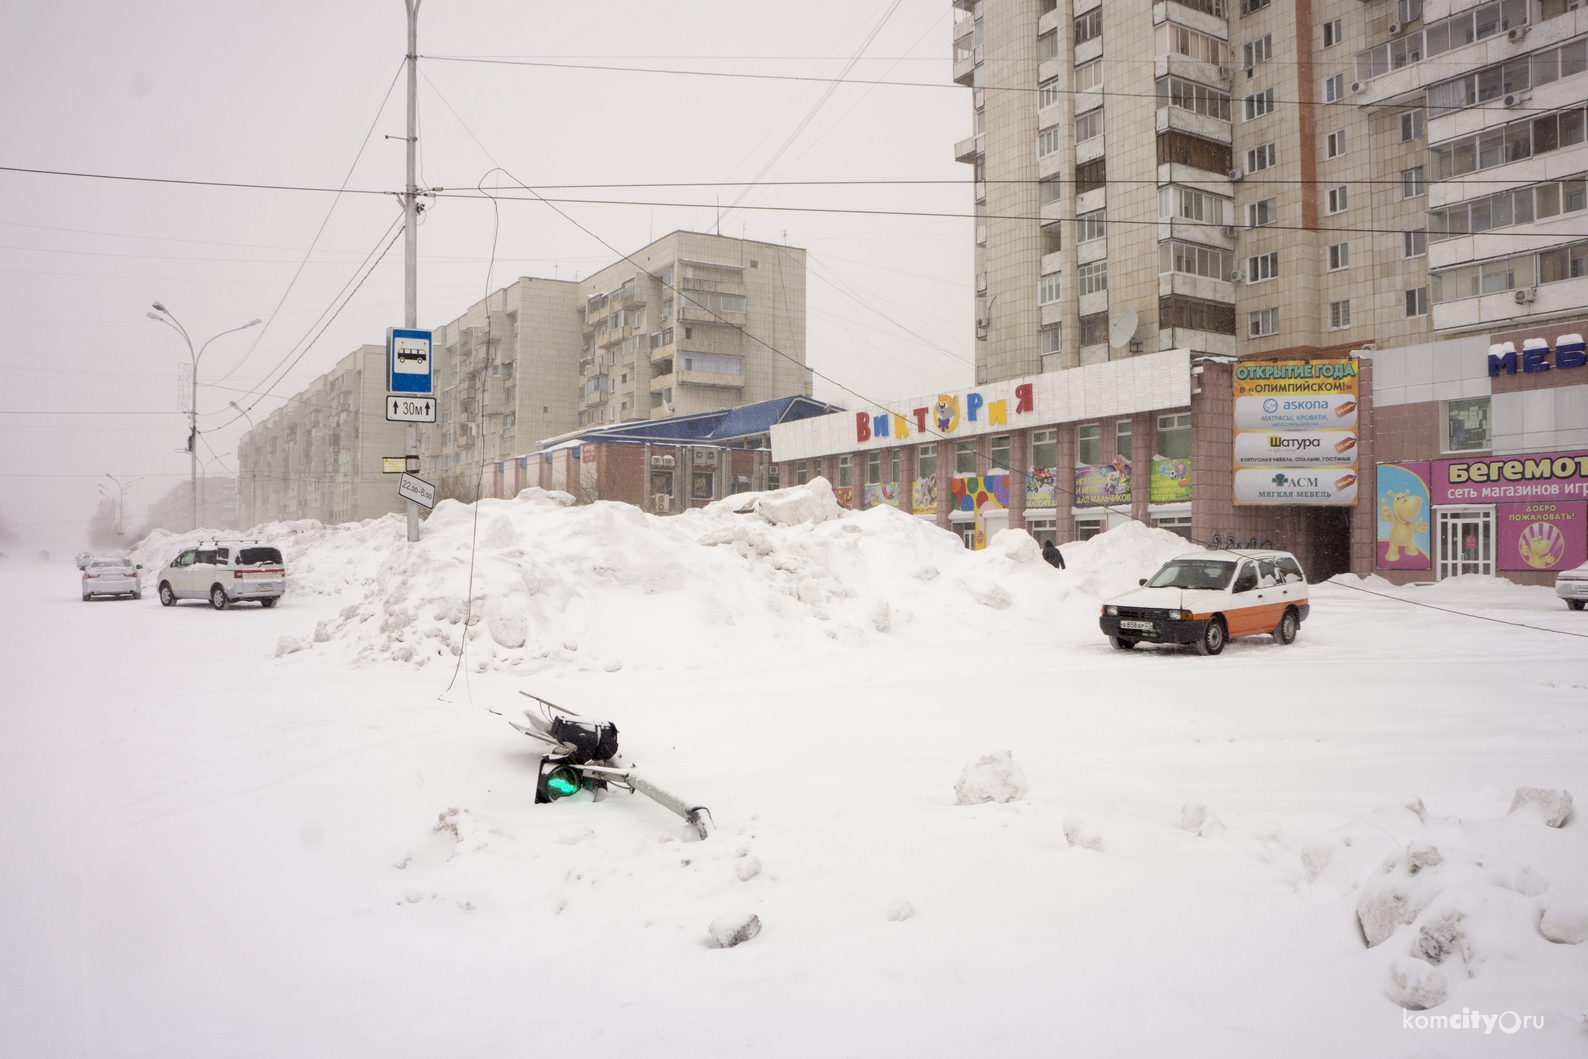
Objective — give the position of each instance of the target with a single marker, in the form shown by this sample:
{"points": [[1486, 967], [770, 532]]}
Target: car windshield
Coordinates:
{"points": [[258, 556], [1193, 573], [100, 564]]}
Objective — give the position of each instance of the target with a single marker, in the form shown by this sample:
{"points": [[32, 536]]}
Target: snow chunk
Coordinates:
{"points": [[1553, 807], [812, 502], [900, 910], [1017, 546], [991, 595], [1076, 833], [734, 929], [1415, 985], [1192, 816], [747, 868], [1409, 881], [289, 645], [1468, 926], [1344, 856], [1565, 923], [994, 777], [321, 634]]}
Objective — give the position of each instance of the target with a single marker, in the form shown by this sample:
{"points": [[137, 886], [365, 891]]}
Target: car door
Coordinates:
{"points": [[203, 573], [181, 573], [1244, 590]]}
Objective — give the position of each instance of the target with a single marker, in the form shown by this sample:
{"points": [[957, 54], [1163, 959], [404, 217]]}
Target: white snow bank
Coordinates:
{"points": [[994, 777], [321, 560], [1409, 881], [812, 502]]}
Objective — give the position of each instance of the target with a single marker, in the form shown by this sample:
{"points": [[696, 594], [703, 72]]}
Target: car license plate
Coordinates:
{"points": [[1140, 625]]}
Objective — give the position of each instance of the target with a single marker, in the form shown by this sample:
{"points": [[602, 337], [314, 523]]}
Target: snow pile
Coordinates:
{"points": [[993, 777], [606, 586], [734, 929], [321, 560]]}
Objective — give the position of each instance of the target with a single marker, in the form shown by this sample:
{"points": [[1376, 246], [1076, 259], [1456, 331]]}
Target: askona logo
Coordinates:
{"points": [[1270, 406]]}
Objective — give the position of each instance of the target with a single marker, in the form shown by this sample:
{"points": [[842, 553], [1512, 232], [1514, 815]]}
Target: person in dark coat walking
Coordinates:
{"points": [[1050, 552]]}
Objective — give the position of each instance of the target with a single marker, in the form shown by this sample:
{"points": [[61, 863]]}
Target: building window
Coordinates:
{"points": [[1412, 183], [1175, 201], [1333, 33], [667, 276], [799, 473], [1334, 144], [1089, 125], [1123, 438], [1048, 289], [1339, 256], [1261, 158], [1044, 448], [1091, 226], [846, 471], [1412, 125], [1048, 142], [1262, 267], [1087, 528], [1192, 96], [1089, 26], [1334, 88], [1000, 453], [1467, 424], [964, 457], [1049, 189], [1263, 323], [1257, 51], [1048, 46], [893, 466], [1094, 329], [1172, 37], [1194, 259], [1180, 524], [1094, 277], [1339, 315], [1048, 93], [1261, 213], [874, 468], [1259, 104], [1196, 314], [1089, 444], [1417, 301], [1089, 176], [1336, 201], [1178, 148], [1174, 437], [1414, 243], [1052, 339], [926, 461], [1089, 75], [1249, 6]]}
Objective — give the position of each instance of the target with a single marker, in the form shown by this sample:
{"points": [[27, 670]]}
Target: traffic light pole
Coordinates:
{"points": [[411, 235]]}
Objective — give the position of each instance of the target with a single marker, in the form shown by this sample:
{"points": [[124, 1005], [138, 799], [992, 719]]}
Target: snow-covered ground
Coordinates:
{"points": [[279, 832]]}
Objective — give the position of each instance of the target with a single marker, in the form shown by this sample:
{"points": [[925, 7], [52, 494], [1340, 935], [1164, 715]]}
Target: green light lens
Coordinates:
{"points": [[562, 782]]}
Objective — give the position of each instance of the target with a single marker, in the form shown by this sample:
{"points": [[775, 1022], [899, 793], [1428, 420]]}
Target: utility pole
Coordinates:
{"points": [[411, 233]]}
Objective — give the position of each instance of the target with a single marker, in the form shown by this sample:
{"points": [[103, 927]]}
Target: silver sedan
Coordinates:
{"points": [[111, 577]]}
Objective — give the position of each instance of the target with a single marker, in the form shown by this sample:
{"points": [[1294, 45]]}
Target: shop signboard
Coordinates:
{"points": [[1104, 484], [1042, 489], [1541, 535], [1403, 514], [1171, 481], [884, 493], [923, 496], [1498, 479], [1295, 433]]}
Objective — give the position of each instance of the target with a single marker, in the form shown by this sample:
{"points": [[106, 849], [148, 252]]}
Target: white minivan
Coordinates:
{"points": [[225, 573]]}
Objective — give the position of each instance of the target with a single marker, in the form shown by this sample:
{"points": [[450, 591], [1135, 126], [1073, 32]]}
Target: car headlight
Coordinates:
{"points": [[1180, 615], [1111, 611]]}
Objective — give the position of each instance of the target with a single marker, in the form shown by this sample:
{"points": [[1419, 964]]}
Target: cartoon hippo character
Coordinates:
{"points": [[1400, 510], [946, 412]]}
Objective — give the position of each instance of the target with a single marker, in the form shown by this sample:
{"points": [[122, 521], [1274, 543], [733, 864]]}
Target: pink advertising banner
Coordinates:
{"points": [[1500, 479], [1545, 535]]}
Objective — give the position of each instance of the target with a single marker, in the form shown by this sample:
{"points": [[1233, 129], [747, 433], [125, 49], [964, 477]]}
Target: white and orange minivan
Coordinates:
{"points": [[1207, 598]]}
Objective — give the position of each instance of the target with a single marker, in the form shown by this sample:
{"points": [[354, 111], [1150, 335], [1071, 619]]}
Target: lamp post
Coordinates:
{"points": [[163, 315], [121, 502], [253, 472]]}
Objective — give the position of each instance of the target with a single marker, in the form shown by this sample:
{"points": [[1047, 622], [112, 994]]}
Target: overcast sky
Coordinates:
{"points": [[285, 94]]}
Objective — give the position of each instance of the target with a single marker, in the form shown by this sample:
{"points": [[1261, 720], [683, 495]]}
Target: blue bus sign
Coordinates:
{"points": [[408, 360]]}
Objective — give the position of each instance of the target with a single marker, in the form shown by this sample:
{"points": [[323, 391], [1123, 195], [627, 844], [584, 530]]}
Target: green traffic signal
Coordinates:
{"points": [[563, 781]]}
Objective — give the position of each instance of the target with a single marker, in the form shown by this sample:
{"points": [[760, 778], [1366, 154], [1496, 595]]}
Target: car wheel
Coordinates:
{"points": [[218, 597], [86, 597], [1211, 642], [1289, 625], [268, 603], [1576, 604], [1122, 644], [137, 595], [167, 597]]}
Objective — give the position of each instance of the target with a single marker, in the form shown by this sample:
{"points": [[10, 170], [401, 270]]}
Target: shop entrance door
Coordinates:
{"points": [[1466, 541]]}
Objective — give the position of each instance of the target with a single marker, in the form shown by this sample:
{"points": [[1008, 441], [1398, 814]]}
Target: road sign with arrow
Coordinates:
{"points": [[402, 409]]}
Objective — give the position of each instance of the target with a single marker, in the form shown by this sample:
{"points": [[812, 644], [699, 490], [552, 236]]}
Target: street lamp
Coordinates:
{"points": [[163, 315], [253, 470], [121, 502]]}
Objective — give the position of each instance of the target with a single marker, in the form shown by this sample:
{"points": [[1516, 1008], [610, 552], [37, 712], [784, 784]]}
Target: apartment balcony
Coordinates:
{"points": [[592, 400], [711, 378], [1052, 263], [1219, 235], [967, 149], [663, 382], [1179, 119], [694, 314], [965, 70], [1206, 288], [663, 353]]}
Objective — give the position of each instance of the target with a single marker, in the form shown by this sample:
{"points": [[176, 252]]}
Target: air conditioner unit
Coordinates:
{"points": [[1513, 99], [1227, 73], [1356, 86], [1236, 174], [1394, 29], [662, 502], [1526, 295], [1237, 276], [1229, 231], [1516, 33]]}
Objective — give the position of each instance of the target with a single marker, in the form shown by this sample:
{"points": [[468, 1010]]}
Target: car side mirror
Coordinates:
{"points": [[138, 567], [1143, 581]]}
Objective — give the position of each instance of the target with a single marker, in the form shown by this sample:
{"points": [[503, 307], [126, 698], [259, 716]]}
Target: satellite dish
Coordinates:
{"points": [[1124, 329]]}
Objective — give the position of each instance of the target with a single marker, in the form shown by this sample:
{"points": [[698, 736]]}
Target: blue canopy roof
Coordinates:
{"points": [[720, 428]]}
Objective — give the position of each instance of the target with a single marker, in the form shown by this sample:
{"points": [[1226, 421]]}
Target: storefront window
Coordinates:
{"points": [[846, 472], [894, 462], [1174, 437], [1467, 424], [1087, 528], [1089, 444], [964, 457], [1000, 453], [1044, 448], [926, 461], [1122, 435], [1180, 524], [874, 468]]}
